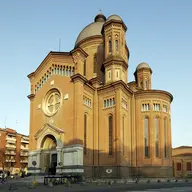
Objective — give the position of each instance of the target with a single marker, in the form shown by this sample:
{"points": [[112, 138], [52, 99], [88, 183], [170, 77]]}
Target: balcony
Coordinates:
{"points": [[10, 153], [24, 148], [10, 146], [10, 160], [24, 140], [24, 161], [24, 154], [10, 139]]}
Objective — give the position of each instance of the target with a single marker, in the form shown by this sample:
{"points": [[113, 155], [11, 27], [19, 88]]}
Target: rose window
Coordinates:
{"points": [[52, 103]]}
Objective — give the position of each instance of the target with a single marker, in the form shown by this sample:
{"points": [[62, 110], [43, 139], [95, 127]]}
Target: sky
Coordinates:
{"points": [[159, 33]]}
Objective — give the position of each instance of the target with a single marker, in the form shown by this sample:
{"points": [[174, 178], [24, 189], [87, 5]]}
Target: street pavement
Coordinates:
{"points": [[21, 185]]}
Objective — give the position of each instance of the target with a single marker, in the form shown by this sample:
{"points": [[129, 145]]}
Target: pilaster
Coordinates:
{"points": [[78, 109], [118, 126]]}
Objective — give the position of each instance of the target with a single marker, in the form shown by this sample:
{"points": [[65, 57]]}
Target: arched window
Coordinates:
{"points": [[156, 123], [95, 64], [110, 135], [110, 103], [55, 70], [110, 46], [165, 138], [146, 84], [109, 74], [60, 71], [85, 134], [105, 104], [188, 165], [113, 101], [69, 71], [84, 68], [116, 45], [141, 84], [66, 71], [146, 137]]}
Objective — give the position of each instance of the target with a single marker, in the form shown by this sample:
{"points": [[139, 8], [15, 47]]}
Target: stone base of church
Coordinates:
{"points": [[120, 172], [156, 171], [69, 160]]}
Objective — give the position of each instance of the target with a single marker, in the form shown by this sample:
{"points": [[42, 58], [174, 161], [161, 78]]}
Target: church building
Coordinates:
{"points": [[86, 118]]}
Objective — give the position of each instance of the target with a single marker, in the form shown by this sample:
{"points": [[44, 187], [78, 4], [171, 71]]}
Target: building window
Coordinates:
{"points": [[156, 122], [87, 101], [141, 84], [110, 46], [109, 75], [116, 45], [165, 138], [109, 102], [145, 107], [178, 166], [146, 84], [123, 132], [84, 68], [156, 107], [110, 135], [95, 64], [165, 108], [146, 137], [85, 134], [188, 166]]}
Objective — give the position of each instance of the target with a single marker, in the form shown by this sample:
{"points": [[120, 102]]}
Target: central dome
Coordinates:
{"points": [[93, 29]]}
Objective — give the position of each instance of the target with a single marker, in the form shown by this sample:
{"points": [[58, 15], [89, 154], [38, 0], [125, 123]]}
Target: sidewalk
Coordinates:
{"points": [[40, 179]]}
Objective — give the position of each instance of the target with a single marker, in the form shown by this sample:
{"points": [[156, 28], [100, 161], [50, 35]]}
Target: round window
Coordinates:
{"points": [[52, 102]]}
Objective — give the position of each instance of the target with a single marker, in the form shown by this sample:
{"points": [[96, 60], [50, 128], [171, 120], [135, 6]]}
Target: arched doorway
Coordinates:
{"points": [[48, 147]]}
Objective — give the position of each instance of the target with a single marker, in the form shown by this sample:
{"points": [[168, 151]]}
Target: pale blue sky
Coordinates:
{"points": [[159, 33]]}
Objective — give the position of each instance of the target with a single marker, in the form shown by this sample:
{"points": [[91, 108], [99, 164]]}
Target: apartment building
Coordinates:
{"points": [[13, 151]]}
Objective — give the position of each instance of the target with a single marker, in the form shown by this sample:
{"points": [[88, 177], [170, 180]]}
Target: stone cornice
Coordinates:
{"points": [[46, 59], [143, 68], [126, 47], [116, 84], [131, 83], [79, 77], [115, 60], [117, 22], [154, 91], [48, 125], [31, 96], [95, 80], [90, 87], [78, 49], [88, 39]]}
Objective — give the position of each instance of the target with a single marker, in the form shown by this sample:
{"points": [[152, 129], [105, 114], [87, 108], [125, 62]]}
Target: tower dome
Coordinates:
{"points": [[143, 65], [93, 29], [114, 17]]}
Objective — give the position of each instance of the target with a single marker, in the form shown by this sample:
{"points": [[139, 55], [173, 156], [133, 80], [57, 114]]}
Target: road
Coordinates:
{"points": [[155, 187]]}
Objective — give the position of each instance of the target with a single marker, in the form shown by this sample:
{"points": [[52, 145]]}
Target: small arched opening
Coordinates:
{"points": [[49, 142], [49, 154]]}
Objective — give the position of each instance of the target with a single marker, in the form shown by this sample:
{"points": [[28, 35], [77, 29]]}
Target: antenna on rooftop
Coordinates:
{"points": [[5, 121], [59, 44]]}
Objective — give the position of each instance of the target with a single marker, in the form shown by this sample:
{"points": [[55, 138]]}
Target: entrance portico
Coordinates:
{"points": [[52, 156]]}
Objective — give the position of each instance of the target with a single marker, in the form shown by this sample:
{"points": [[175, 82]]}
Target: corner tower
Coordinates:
{"points": [[116, 51], [143, 76]]}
